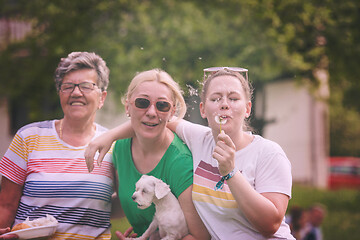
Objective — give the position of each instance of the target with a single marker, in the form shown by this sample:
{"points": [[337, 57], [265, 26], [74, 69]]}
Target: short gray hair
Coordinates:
{"points": [[83, 60]]}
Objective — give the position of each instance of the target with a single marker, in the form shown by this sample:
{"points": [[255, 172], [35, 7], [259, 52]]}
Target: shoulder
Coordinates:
{"points": [[267, 146], [38, 125], [178, 146], [189, 128], [193, 134], [123, 143], [268, 152], [36, 128]]}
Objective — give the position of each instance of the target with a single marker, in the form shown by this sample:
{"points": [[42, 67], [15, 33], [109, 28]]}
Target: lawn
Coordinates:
{"points": [[343, 211]]}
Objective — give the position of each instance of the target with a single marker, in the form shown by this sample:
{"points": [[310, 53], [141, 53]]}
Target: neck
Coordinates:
{"points": [[76, 133], [154, 145], [147, 153]]}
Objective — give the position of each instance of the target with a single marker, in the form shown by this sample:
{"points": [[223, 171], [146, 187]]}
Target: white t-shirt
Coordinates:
{"points": [[263, 163]]}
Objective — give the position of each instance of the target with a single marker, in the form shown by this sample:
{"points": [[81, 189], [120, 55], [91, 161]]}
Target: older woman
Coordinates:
{"points": [[152, 99], [44, 169]]}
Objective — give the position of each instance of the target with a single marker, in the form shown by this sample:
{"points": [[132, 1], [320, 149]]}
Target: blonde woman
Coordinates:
{"points": [[152, 99]]}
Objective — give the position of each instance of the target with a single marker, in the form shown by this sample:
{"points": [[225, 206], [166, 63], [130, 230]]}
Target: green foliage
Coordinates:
{"points": [[344, 125], [274, 39]]}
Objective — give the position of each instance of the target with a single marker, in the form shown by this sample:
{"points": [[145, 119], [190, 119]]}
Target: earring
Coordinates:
{"points": [[128, 115]]}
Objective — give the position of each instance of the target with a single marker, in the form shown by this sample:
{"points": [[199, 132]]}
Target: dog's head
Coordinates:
{"points": [[149, 189]]}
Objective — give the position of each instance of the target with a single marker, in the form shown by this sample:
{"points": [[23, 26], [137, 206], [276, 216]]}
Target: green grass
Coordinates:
{"points": [[343, 211], [342, 220]]}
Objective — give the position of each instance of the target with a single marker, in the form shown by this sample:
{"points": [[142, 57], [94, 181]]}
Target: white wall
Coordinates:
{"points": [[300, 127]]}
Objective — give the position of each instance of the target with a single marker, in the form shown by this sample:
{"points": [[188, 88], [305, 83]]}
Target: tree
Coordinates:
{"points": [[274, 39]]}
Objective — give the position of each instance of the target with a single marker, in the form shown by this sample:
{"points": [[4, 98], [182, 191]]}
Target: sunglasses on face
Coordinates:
{"points": [[212, 70], [144, 103]]}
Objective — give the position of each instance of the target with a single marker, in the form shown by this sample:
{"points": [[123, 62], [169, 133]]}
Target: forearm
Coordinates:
{"points": [[9, 201], [122, 131], [262, 213], [7, 217], [197, 229]]}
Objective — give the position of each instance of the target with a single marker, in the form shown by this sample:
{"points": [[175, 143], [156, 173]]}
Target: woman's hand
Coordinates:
{"points": [[102, 145], [224, 153], [127, 234], [7, 237]]}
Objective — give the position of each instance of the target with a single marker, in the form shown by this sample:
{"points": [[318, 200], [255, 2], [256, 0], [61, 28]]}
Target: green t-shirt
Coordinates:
{"points": [[175, 169]]}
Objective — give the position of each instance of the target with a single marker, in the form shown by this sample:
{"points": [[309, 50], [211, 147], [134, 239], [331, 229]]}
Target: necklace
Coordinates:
{"points": [[60, 128]]}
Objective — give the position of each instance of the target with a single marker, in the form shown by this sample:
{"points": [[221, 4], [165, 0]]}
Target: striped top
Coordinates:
{"points": [[263, 164], [56, 182]]}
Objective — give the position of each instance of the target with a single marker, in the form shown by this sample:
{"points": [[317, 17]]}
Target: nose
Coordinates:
{"points": [[77, 90], [133, 197], [151, 110], [224, 103]]}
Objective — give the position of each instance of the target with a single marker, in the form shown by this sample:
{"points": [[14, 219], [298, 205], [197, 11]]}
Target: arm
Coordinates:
{"points": [[103, 143], [196, 227], [272, 206], [172, 125], [9, 200]]}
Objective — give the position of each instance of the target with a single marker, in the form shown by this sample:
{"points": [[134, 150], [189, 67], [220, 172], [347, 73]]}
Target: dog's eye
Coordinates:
{"points": [[144, 191]]}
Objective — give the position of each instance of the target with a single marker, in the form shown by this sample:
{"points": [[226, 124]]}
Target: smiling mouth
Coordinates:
{"points": [[150, 124], [77, 104]]}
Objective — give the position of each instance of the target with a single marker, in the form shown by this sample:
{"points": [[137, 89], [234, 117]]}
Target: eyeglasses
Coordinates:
{"points": [[84, 87], [212, 70], [144, 103]]}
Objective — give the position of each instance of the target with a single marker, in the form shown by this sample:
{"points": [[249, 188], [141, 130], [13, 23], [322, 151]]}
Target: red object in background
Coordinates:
{"points": [[344, 172]]}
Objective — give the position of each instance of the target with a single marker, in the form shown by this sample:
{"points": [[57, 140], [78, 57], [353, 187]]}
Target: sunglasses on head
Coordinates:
{"points": [[143, 103], [212, 70]]}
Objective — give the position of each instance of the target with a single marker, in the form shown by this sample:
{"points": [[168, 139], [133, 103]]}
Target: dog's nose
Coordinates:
{"points": [[133, 198]]}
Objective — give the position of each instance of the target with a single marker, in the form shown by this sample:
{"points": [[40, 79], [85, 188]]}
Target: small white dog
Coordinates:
{"points": [[169, 217]]}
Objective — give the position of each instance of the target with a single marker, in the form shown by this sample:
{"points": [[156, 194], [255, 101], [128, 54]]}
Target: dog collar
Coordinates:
{"points": [[220, 183]]}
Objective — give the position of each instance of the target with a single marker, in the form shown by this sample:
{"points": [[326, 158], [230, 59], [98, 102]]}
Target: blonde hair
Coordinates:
{"points": [[163, 77]]}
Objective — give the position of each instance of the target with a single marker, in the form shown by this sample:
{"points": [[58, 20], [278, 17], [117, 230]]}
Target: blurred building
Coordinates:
{"points": [[299, 122]]}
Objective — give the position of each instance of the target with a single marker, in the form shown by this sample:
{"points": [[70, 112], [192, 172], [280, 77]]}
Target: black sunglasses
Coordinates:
{"points": [[144, 103]]}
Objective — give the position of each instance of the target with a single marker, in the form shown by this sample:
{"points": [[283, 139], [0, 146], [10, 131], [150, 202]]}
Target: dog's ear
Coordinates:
{"points": [[161, 189]]}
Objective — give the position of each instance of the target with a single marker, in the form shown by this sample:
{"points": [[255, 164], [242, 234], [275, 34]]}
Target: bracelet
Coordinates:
{"points": [[220, 183]]}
